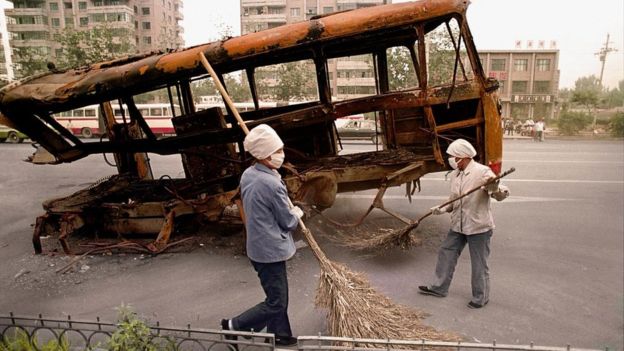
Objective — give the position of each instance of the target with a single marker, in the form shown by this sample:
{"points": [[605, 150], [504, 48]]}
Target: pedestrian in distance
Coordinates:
{"points": [[269, 222], [471, 223], [539, 130]]}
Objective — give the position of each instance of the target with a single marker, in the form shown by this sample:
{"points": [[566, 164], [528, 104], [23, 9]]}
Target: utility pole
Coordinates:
{"points": [[602, 55]]}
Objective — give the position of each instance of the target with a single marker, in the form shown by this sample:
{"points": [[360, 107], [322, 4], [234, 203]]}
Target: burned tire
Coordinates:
{"points": [[86, 133], [13, 138]]}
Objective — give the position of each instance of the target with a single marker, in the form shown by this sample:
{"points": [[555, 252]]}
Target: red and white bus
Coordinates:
{"points": [[86, 121]]}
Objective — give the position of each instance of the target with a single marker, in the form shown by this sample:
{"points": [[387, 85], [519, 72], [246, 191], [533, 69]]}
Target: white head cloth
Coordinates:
{"points": [[462, 149], [262, 142]]}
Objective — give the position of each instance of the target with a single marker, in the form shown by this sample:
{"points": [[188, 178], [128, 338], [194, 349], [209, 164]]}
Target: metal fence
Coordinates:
{"points": [[95, 335]]}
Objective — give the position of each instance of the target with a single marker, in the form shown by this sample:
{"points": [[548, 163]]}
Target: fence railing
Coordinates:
{"points": [[95, 335]]}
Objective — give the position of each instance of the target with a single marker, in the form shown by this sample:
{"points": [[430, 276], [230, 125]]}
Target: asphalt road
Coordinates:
{"points": [[556, 264]]}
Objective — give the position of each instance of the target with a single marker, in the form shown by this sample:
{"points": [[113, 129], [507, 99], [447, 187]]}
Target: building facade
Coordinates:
{"points": [[350, 77], [150, 24], [529, 81]]}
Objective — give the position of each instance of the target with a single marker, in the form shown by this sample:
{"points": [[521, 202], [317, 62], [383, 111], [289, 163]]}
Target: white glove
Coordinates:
{"points": [[437, 211], [492, 187], [297, 211], [501, 194]]}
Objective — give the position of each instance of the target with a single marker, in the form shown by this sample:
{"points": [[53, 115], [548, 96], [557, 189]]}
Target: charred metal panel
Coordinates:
{"points": [[206, 163]]}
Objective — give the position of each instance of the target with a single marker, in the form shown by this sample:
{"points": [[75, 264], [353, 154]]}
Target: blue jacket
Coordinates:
{"points": [[269, 221]]}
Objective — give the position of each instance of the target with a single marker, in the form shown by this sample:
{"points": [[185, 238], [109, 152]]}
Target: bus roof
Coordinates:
{"points": [[63, 90]]}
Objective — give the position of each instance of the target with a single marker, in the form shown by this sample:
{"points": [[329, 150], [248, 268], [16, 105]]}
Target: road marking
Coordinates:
{"points": [[571, 181], [512, 198], [563, 161]]}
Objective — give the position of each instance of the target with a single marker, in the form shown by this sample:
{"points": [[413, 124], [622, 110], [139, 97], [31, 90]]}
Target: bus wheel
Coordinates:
{"points": [[13, 138], [86, 133]]}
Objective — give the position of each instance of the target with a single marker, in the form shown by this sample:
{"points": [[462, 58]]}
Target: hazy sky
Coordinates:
{"points": [[579, 28]]}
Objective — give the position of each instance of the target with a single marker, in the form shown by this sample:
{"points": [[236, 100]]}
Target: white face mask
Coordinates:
{"points": [[452, 163], [277, 159]]}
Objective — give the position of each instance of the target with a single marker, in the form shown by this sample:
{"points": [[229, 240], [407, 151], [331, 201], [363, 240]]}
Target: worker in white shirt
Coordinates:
{"points": [[471, 222]]}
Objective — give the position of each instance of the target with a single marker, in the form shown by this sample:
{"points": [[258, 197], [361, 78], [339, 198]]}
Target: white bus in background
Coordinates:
{"points": [[85, 121]]}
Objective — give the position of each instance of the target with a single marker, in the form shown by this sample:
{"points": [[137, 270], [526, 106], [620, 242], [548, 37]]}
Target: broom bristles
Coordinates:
{"points": [[387, 240], [357, 310]]}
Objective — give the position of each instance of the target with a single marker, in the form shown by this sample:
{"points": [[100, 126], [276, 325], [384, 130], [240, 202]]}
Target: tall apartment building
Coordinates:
{"points": [[529, 81], [152, 24], [3, 65], [350, 77]]}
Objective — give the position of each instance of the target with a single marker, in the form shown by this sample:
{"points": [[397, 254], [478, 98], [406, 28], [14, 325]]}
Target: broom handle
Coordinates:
{"points": [[490, 181], [226, 97], [223, 92]]}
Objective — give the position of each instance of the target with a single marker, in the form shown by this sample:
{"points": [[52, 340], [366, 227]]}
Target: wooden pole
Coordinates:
{"points": [[224, 94]]}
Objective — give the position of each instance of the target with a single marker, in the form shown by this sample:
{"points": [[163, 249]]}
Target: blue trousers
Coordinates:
{"points": [[451, 249], [271, 313]]}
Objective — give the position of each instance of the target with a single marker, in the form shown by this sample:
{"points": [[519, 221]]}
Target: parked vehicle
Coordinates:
{"points": [[359, 129], [10, 135]]}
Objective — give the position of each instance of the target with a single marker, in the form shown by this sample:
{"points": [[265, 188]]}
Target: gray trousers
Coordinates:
{"points": [[479, 246]]}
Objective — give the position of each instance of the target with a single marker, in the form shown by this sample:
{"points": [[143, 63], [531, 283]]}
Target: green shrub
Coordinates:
{"points": [[570, 123], [616, 124], [132, 333], [21, 342]]}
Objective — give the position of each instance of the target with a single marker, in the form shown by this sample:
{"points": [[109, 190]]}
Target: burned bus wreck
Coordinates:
{"points": [[443, 95]]}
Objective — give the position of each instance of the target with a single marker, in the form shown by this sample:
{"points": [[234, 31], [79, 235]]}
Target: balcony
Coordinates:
{"points": [[27, 27], [111, 8], [349, 82], [179, 15], [367, 2], [262, 3], [266, 18], [25, 12]]}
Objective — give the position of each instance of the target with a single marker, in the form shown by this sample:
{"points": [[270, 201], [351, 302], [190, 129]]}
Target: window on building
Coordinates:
{"points": [[56, 22], [497, 65], [543, 65], [521, 65], [541, 87], [295, 11], [54, 6], [145, 11], [147, 40], [311, 11], [69, 21], [58, 52], [519, 86], [328, 9], [82, 5], [68, 5], [146, 25], [84, 21], [273, 10]]}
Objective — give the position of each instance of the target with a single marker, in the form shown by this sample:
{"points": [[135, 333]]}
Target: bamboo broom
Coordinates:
{"points": [[401, 237], [355, 308]]}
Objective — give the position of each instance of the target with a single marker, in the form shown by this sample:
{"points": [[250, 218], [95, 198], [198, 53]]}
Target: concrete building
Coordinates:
{"points": [[350, 77], [3, 65], [151, 24], [529, 81]]}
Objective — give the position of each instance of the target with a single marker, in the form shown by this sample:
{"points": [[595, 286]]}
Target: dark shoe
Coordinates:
{"points": [[426, 291], [476, 305], [225, 325], [285, 340]]}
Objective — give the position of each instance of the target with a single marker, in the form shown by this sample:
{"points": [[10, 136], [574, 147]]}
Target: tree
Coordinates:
{"points": [[29, 60], [101, 43], [570, 123], [401, 73], [295, 81], [613, 97], [587, 92], [616, 125]]}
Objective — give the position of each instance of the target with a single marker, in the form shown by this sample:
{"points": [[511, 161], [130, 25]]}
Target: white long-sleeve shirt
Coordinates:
{"points": [[472, 214]]}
